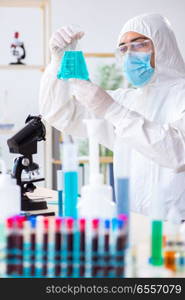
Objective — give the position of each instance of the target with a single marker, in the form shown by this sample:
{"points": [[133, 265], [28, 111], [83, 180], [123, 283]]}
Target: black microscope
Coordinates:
{"points": [[24, 142]]}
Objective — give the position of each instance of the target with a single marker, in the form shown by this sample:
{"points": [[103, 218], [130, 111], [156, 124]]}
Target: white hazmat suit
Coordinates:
{"points": [[145, 127]]}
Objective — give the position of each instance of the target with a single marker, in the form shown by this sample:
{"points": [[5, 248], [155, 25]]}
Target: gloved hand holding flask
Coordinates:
{"points": [[63, 39]]}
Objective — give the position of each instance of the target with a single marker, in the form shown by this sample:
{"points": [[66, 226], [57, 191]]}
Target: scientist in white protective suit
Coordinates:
{"points": [[143, 125]]}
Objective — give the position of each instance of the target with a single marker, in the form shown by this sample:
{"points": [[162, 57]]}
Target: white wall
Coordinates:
{"points": [[22, 85], [103, 19]]}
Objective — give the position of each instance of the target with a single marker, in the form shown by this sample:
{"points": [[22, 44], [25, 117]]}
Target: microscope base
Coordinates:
{"points": [[30, 207], [42, 212], [28, 204]]}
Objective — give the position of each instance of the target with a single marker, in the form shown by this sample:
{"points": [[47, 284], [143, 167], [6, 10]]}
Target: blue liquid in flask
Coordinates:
{"points": [[73, 65]]}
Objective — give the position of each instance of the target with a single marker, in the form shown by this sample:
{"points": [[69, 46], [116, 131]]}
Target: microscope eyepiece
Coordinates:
{"points": [[25, 141]]}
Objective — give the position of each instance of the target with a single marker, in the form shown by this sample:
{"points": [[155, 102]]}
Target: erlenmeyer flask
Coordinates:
{"points": [[73, 64]]}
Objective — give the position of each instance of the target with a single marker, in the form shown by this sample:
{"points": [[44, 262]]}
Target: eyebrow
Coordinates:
{"points": [[135, 39]]}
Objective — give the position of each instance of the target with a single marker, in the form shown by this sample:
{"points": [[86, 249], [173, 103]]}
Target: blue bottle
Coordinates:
{"points": [[70, 171]]}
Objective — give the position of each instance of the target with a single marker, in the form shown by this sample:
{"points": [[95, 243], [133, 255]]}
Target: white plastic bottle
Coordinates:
{"points": [[10, 195], [96, 197], [96, 200], [172, 226]]}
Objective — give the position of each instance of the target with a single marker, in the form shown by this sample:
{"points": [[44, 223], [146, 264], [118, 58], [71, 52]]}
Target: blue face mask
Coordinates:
{"points": [[137, 68]]}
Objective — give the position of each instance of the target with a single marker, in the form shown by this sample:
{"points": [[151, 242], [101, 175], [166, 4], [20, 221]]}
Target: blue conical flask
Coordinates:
{"points": [[73, 65]]}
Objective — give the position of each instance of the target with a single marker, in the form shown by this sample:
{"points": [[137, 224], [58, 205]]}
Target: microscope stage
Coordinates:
{"points": [[42, 212]]}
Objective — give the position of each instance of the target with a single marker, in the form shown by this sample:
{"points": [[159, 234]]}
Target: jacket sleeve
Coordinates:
{"points": [[64, 113], [165, 145]]}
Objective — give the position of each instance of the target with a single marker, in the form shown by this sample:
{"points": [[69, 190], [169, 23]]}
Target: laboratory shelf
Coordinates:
{"points": [[103, 160], [7, 132], [22, 67]]}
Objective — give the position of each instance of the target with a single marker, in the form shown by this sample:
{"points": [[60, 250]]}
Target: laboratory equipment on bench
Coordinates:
{"points": [[60, 192], [157, 217], [156, 243], [180, 257], [24, 142], [171, 235], [122, 190], [57, 247], [70, 176], [17, 50]]}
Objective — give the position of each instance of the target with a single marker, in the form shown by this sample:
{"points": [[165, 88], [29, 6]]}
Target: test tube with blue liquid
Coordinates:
{"points": [[106, 255], [70, 171]]}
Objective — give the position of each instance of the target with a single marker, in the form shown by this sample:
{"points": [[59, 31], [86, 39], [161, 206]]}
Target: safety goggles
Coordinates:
{"points": [[143, 46]]}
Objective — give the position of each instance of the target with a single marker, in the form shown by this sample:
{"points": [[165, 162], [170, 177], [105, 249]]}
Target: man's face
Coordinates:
{"points": [[130, 37]]}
